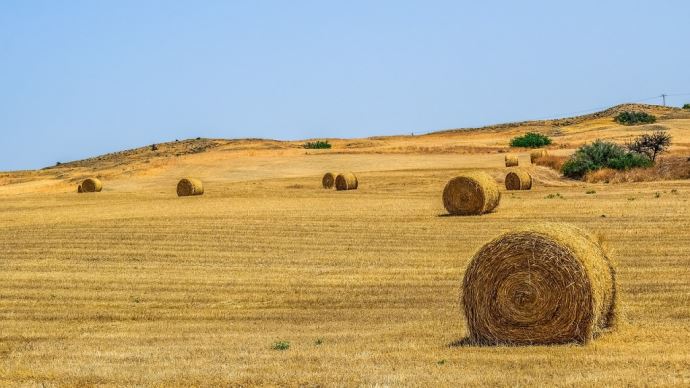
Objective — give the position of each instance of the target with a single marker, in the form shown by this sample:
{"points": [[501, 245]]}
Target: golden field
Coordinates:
{"points": [[135, 286]]}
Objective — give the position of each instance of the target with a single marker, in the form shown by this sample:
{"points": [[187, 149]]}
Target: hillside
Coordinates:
{"points": [[249, 159], [135, 286]]}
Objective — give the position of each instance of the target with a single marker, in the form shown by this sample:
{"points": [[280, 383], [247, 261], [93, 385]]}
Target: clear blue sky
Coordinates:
{"points": [[81, 78]]}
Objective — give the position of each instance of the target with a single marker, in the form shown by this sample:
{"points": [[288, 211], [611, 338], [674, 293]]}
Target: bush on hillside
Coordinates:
{"points": [[686, 106], [530, 140], [634, 118], [317, 144], [602, 154]]}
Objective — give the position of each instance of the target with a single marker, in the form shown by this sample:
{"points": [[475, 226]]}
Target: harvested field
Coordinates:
{"points": [[136, 287]]}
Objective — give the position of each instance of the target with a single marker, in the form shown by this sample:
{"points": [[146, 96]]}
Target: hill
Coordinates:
{"points": [[247, 159]]}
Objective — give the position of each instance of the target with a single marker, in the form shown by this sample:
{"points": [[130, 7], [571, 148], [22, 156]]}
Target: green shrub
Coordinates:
{"points": [[317, 144], [634, 118], [686, 106], [628, 161], [280, 345], [530, 140], [601, 154]]}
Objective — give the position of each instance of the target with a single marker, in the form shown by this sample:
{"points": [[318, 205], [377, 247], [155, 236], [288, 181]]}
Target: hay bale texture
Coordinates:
{"points": [[189, 186], [511, 161], [328, 180], [518, 180], [471, 193], [79, 189], [543, 284], [91, 185], [346, 181], [536, 154]]}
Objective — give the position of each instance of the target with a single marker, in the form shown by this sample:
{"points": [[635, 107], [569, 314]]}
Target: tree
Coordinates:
{"points": [[651, 144]]}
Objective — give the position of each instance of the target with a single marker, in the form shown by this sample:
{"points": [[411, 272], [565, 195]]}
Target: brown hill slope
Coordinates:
{"points": [[251, 159]]}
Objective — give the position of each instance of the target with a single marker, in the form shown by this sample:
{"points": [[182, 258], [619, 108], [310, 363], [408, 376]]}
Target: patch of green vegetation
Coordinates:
{"points": [[440, 362], [319, 144], [601, 154], [657, 194], [552, 196], [530, 140], [634, 118], [280, 345], [318, 341], [686, 106], [590, 192]]}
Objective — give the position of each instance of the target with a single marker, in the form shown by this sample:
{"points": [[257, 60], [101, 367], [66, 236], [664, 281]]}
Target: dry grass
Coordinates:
{"points": [[135, 287], [551, 161], [201, 301], [667, 168], [547, 283]]}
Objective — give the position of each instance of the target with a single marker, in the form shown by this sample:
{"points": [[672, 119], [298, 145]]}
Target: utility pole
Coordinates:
{"points": [[663, 96]]}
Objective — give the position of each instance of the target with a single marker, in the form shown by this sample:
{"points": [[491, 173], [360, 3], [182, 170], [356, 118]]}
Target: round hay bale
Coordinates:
{"points": [[91, 185], [79, 189], [518, 180], [543, 284], [511, 160], [346, 181], [471, 193], [189, 186], [536, 154], [328, 180]]}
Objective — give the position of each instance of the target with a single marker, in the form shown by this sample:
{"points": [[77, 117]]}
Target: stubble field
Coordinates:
{"points": [[131, 287]]}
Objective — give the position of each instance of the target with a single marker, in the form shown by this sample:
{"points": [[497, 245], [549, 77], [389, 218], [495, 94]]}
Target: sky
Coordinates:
{"points": [[82, 78]]}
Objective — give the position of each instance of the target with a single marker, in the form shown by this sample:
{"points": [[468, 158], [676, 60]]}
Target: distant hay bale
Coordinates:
{"points": [[548, 283], [511, 161], [518, 180], [91, 185], [189, 186], [346, 181], [536, 154], [471, 193], [328, 180], [79, 190]]}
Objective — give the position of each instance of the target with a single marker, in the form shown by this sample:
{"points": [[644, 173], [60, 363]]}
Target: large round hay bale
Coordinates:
{"points": [[91, 185], [518, 180], [79, 189], [542, 284], [471, 193], [346, 181], [536, 154], [189, 186], [511, 160], [328, 180]]}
